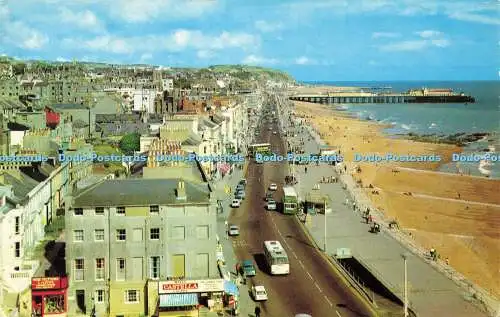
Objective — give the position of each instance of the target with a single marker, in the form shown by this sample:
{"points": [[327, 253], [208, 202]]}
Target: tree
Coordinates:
{"points": [[130, 143]]}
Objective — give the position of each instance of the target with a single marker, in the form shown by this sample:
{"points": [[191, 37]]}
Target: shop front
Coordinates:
{"points": [[49, 296], [186, 297]]}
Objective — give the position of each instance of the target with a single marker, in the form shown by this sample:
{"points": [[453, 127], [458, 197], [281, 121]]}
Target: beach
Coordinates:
{"points": [[458, 215]]}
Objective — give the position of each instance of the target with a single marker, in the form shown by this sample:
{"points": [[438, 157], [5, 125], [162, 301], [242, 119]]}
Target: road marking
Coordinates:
{"points": [[301, 264], [317, 286], [310, 276], [329, 302], [338, 314], [293, 252]]}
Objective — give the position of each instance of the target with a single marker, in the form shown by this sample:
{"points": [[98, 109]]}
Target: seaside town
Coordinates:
{"points": [[161, 237], [288, 158]]}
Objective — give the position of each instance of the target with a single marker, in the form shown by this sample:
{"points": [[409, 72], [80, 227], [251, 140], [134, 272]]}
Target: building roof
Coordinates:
{"points": [[15, 126], [68, 106], [192, 139], [21, 185], [140, 192], [209, 124], [218, 119]]}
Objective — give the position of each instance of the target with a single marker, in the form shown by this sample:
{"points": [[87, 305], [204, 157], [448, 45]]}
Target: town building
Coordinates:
{"points": [[123, 233]]}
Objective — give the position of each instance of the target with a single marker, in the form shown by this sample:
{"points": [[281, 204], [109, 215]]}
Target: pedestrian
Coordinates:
{"points": [[347, 202], [305, 169], [447, 261], [354, 205], [257, 311], [370, 218]]}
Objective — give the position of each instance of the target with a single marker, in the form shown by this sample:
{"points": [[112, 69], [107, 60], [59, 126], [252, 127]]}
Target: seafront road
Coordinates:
{"points": [[430, 292], [313, 286]]}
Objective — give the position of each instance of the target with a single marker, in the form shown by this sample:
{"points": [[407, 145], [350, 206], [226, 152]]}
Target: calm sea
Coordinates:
{"points": [[482, 116]]}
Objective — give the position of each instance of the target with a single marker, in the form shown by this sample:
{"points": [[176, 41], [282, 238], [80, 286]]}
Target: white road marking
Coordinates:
{"points": [[310, 276], [294, 254], [301, 264], [338, 314], [329, 302], [317, 286]]}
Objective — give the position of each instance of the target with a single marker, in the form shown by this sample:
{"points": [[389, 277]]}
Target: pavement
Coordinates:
{"points": [[431, 293], [313, 286]]}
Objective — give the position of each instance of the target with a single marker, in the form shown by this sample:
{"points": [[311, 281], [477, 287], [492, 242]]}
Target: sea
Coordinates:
{"points": [[441, 119]]}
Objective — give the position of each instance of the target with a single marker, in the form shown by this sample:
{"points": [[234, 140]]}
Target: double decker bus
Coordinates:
{"points": [[290, 200], [276, 257], [262, 148]]}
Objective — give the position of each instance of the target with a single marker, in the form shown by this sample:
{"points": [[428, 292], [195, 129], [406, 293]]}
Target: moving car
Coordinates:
{"points": [[240, 187], [235, 203], [248, 268], [243, 182], [271, 204], [273, 186], [234, 230], [259, 293], [269, 196]]}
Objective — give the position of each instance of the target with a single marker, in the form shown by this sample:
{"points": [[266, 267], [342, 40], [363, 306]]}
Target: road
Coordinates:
{"points": [[313, 286]]}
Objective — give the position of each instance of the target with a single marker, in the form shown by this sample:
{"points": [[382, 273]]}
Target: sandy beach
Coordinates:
{"points": [[458, 215]]}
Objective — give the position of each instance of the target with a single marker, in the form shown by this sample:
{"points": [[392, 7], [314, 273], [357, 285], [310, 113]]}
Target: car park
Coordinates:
{"points": [[273, 187], [234, 230], [259, 293], [235, 203], [271, 204]]}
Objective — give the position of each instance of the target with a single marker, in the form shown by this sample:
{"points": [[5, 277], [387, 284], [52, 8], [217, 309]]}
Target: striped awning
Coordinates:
{"points": [[178, 300]]}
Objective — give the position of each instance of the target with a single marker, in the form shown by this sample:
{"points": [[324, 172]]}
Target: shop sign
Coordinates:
{"points": [[48, 283], [191, 286]]}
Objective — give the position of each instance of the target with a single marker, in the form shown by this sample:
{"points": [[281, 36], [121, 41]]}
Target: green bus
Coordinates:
{"points": [[290, 200]]}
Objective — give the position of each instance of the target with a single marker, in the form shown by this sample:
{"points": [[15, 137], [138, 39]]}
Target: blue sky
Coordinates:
{"points": [[337, 40]]}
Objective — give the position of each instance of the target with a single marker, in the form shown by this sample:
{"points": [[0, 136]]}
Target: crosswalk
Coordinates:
{"points": [[240, 243]]}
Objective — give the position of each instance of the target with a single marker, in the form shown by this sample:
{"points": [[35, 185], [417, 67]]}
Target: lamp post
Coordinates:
{"points": [[405, 256], [324, 208]]}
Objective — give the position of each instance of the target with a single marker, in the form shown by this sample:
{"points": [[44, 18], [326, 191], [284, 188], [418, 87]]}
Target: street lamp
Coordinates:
{"points": [[324, 208], [405, 256]]}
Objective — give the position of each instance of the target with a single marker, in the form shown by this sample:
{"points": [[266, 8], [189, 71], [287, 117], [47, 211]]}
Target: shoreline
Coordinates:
{"points": [[458, 215]]}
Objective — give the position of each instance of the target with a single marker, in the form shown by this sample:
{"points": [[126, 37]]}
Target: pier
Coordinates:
{"points": [[361, 97]]}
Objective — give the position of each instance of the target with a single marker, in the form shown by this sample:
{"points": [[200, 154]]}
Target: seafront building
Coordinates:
{"points": [[126, 236]]}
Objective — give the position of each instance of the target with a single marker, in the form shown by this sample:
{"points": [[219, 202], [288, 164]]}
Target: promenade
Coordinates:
{"points": [[431, 293]]}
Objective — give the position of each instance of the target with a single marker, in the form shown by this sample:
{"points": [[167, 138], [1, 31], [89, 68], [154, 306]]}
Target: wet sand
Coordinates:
{"points": [[458, 215]]}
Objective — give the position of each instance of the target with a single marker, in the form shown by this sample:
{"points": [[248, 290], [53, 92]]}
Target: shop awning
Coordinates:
{"points": [[178, 300], [231, 288]]}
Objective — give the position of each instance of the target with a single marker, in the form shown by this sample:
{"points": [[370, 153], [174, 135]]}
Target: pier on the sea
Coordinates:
{"points": [[342, 98]]}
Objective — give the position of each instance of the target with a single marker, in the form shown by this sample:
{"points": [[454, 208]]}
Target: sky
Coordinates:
{"points": [[313, 40]]}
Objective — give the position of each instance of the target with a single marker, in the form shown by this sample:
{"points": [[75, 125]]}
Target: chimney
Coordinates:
{"points": [[181, 191]]}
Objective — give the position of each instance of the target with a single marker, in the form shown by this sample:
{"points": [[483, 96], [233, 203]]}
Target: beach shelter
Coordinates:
{"points": [[315, 202]]}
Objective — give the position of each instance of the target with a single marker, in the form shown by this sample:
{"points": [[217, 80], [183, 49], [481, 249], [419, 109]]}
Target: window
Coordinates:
{"points": [[79, 267], [77, 235], [120, 269], [99, 210], [17, 225], [137, 234], [78, 211], [202, 232], [121, 234], [99, 269], [154, 267], [154, 209], [99, 234], [131, 296], [120, 210], [99, 296], [178, 233], [154, 234], [17, 249]]}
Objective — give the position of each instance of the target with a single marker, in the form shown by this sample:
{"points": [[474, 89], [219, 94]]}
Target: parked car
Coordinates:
{"points": [[273, 187], [259, 293], [271, 204], [240, 195], [235, 203], [269, 196], [234, 230], [243, 182], [248, 268]]}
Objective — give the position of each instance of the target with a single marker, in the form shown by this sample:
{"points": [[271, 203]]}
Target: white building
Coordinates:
{"points": [[236, 128], [144, 100], [167, 84]]}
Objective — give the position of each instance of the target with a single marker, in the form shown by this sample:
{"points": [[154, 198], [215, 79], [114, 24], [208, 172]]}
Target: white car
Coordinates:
{"points": [[273, 186], [235, 203], [271, 205], [259, 293], [234, 231], [274, 132]]}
